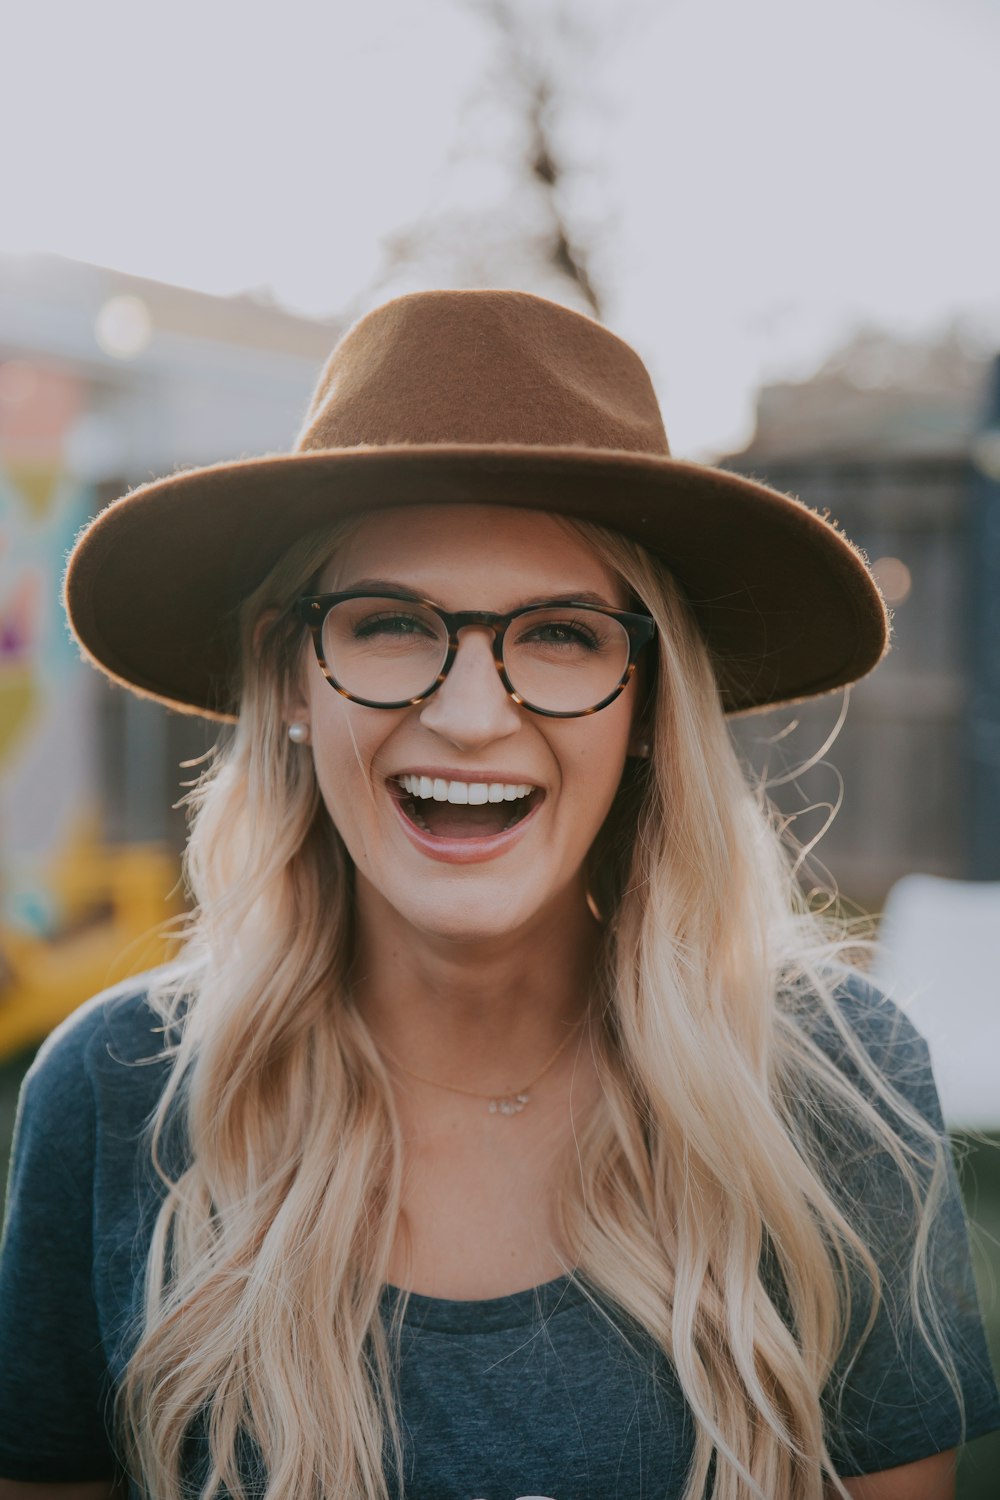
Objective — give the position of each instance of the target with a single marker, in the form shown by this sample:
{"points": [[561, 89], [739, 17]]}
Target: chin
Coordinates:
{"points": [[476, 921], [473, 932]]}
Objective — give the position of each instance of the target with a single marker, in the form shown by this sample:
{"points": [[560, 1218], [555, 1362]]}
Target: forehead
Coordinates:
{"points": [[469, 556]]}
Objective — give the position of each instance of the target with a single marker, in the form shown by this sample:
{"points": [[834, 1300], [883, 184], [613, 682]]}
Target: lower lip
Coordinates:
{"points": [[464, 851]]}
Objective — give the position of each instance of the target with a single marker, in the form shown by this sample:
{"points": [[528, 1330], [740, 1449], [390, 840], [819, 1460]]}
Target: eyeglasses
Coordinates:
{"points": [[389, 650]]}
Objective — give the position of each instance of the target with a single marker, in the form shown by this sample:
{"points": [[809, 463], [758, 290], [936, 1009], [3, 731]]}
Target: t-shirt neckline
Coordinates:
{"points": [[486, 1315]]}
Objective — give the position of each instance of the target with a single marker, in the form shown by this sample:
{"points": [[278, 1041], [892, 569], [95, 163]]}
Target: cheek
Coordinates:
{"points": [[594, 772], [338, 749], [347, 748], [350, 802]]}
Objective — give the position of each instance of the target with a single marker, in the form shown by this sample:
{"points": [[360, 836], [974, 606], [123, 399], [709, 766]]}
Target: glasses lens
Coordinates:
{"points": [[383, 650], [565, 659]]}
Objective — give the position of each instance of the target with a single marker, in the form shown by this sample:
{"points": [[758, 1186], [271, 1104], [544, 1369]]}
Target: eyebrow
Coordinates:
{"points": [[383, 585]]}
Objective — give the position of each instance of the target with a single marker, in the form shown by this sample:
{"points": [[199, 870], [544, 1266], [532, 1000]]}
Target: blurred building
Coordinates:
{"points": [[895, 441], [107, 380]]}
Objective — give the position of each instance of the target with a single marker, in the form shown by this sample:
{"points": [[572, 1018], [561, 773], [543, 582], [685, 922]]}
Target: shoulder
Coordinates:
{"points": [[862, 1023], [81, 1193], [109, 1053], [862, 1010], [876, 1052], [117, 1023]]}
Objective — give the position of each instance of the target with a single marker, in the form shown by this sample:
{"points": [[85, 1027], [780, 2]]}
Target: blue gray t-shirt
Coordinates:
{"points": [[548, 1392]]}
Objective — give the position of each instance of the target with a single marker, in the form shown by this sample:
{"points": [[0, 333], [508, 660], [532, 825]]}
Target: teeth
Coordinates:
{"points": [[462, 792]]}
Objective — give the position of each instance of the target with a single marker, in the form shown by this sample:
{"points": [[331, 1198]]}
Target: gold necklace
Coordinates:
{"points": [[499, 1104]]}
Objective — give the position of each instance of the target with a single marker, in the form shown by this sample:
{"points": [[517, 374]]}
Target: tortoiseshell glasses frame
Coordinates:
{"points": [[312, 610]]}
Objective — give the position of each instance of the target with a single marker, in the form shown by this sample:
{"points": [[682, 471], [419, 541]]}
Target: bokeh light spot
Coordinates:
{"points": [[123, 326], [893, 578]]}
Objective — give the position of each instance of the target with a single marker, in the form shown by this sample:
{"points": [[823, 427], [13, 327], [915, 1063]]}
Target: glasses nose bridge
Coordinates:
{"points": [[481, 619], [470, 690]]}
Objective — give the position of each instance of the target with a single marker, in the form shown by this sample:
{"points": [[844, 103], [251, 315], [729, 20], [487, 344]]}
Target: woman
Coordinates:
{"points": [[513, 1126]]}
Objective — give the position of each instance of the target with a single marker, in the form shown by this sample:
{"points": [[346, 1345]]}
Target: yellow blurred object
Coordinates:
{"points": [[19, 697], [115, 902]]}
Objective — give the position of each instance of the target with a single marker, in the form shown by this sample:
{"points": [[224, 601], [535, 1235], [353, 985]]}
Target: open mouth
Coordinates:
{"points": [[463, 810]]}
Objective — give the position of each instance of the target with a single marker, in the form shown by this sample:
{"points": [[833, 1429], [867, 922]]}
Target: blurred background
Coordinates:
{"points": [[790, 209]]}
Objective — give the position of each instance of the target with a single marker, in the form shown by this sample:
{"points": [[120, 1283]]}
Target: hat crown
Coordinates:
{"points": [[483, 367]]}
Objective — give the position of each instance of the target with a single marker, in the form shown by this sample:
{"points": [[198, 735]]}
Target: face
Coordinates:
{"points": [[486, 870]]}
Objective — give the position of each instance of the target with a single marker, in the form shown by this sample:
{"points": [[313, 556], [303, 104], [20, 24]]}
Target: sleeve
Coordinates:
{"points": [[890, 1401], [54, 1383]]}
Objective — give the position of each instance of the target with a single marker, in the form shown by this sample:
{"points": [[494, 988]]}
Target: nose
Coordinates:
{"points": [[472, 706]]}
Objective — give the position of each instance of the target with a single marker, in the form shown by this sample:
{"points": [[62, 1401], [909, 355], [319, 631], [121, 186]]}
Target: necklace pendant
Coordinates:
{"points": [[510, 1104]]}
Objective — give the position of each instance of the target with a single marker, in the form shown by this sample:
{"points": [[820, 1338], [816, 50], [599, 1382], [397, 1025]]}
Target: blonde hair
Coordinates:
{"points": [[699, 1170]]}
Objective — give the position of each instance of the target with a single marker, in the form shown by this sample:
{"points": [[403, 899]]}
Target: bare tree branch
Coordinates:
{"points": [[515, 128]]}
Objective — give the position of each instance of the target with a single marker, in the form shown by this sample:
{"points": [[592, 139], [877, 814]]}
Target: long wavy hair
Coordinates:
{"points": [[699, 1201]]}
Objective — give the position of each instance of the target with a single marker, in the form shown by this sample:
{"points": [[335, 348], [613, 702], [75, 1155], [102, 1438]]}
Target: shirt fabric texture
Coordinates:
{"points": [[549, 1392]]}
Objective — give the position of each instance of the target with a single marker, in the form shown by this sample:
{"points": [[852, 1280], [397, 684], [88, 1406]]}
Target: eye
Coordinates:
{"points": [[560, 631], [395, 625]]}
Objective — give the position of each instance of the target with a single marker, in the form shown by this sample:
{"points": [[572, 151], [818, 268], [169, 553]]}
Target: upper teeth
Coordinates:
{"points": [[464, 791]]}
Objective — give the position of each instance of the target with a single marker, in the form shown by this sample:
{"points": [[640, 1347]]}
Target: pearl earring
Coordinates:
{"points": [[298, 732], [642, 749]]}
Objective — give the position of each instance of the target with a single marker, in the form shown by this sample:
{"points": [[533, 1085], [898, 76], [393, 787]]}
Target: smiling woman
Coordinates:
{"points": [[508, 1124], [408, 785]]}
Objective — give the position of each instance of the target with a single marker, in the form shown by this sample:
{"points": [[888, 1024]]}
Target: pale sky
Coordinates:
{"points": [[759, 178]]}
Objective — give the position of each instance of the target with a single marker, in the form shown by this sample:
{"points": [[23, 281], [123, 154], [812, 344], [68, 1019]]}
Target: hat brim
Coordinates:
{"points": [[154, 583]]}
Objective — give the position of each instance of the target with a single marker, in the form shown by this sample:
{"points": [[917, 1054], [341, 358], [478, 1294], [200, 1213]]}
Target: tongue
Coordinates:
{"points": [[449, 820]]}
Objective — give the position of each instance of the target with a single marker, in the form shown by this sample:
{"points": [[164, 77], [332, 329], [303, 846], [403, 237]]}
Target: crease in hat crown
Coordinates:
{"points": [[487, 397], [481, 367]]}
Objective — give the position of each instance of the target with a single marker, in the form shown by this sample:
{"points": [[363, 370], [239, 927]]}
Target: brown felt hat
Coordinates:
{"points": [[485, 397]]}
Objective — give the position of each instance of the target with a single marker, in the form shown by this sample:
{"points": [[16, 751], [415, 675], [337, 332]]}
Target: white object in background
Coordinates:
{"points": [[939, 959]]}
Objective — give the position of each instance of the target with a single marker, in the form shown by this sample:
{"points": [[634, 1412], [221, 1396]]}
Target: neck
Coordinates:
{"points": [[482, 1013]]}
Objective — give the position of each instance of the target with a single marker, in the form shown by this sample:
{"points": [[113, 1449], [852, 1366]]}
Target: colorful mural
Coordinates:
{"points": [[74, 913], [45, 773], [18, 630]]}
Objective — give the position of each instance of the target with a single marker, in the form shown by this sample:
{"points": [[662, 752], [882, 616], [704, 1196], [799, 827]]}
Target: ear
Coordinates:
{"points": [[294, 706]]}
